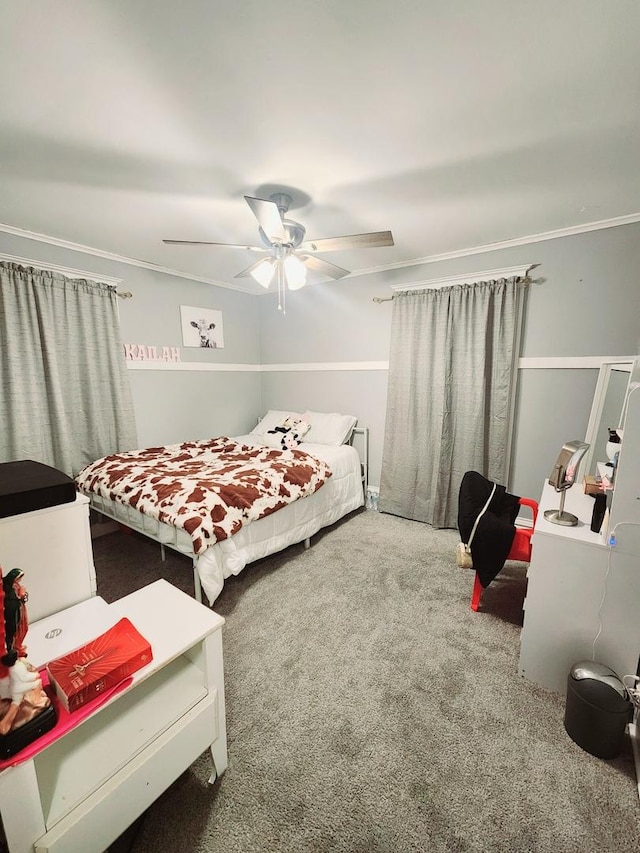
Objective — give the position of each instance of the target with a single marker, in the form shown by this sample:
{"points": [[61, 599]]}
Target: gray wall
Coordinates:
{"points": [[587, 302], [173, 406]]}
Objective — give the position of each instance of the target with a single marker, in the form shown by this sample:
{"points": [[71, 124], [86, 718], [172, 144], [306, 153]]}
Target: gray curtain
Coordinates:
{"points": [[65, 391], [451, 369]]}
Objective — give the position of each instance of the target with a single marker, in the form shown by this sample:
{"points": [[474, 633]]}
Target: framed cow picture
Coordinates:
{"points": [[201, 327]]}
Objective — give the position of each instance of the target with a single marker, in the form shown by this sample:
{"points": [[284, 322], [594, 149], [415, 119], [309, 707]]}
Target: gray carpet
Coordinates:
{"points": [[369, 709]]}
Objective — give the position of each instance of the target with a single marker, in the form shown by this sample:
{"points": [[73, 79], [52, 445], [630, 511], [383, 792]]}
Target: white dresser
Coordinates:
{"points": [[583, 589], [52, 546]]}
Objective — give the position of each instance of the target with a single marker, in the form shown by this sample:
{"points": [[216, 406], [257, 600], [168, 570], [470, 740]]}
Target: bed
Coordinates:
{"points": [[329, 449]]}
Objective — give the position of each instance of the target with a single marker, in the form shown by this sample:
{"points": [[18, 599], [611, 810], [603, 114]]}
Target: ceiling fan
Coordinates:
{"points": [[290, 256]]}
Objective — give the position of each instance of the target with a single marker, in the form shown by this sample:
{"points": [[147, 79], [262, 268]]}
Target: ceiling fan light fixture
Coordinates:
{"points": [[283, 238], [295, 272], [264, 272]]}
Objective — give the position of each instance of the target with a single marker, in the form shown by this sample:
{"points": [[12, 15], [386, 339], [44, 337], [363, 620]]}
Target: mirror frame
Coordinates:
{"points": [[606, 366]]}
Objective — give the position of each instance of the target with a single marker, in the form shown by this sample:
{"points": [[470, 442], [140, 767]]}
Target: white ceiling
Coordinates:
{"points": [[454, 123]]}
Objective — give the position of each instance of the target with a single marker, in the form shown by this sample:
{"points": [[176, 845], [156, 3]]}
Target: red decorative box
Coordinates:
{"points": [[102, 663]]}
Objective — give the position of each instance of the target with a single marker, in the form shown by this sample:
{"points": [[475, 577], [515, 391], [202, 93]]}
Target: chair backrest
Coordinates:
{"points": [[533, 506]]}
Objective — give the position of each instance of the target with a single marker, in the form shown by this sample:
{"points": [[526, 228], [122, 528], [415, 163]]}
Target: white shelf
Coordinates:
{"points": [[171, 620]]}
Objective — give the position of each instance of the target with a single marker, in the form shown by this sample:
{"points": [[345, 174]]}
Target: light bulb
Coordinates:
{"points": [[295, 271], [263, 273]]}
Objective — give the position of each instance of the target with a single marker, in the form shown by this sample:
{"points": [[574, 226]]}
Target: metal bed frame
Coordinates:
{"points": [[105, 511]]}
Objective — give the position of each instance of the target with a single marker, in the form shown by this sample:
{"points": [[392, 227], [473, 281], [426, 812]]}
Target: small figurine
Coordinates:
{"points": [[16, 623], [26, 711], [22, 695]]}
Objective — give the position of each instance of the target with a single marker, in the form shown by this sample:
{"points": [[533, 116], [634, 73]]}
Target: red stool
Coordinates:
{"points": [[520, 549]]}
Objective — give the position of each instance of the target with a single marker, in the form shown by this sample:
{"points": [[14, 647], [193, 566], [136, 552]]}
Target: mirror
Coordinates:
{"points": [[563, 477], [607, 410]]}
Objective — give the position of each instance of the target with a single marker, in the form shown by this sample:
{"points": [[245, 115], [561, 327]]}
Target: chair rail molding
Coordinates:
{"points": [[579, 362]]}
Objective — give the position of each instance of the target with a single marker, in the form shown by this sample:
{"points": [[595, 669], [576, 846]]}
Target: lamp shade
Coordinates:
{"points": [[263, 273], [295, 272]]}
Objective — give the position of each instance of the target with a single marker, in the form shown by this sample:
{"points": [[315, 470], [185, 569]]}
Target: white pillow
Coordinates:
{"points": [[329, 428], [273, 419]]}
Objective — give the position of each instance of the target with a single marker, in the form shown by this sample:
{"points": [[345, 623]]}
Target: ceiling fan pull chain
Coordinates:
{"points": [[284, 289], [281, 285]]}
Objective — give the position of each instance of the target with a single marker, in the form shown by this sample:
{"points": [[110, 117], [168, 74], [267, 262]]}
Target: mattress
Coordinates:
{"points": [[297, 521]]}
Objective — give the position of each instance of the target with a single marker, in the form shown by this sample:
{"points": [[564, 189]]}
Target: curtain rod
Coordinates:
{"points": [[523, 280], [68, 271]]}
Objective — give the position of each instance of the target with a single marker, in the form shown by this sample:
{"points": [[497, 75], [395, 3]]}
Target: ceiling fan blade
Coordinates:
{"points": [[323, 267], [354, 241], [206, 243], [268, 215]]}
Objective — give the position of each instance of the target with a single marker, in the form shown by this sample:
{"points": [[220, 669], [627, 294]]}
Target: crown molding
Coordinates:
{"points": [[69, 272], [110, 256], [573, 230]]}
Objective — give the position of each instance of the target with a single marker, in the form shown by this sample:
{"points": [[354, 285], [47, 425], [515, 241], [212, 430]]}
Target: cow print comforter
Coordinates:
{"points": [[208, 488]]}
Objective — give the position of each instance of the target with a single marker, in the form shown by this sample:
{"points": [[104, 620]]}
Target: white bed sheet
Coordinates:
{"points": [[340, 495]]}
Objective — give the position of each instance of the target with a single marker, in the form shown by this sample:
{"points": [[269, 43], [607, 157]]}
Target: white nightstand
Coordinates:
{"points": [[82, 791]]}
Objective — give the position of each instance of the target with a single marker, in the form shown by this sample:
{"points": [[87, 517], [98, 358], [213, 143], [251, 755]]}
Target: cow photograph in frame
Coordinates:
{"points": [[201, 327]]}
